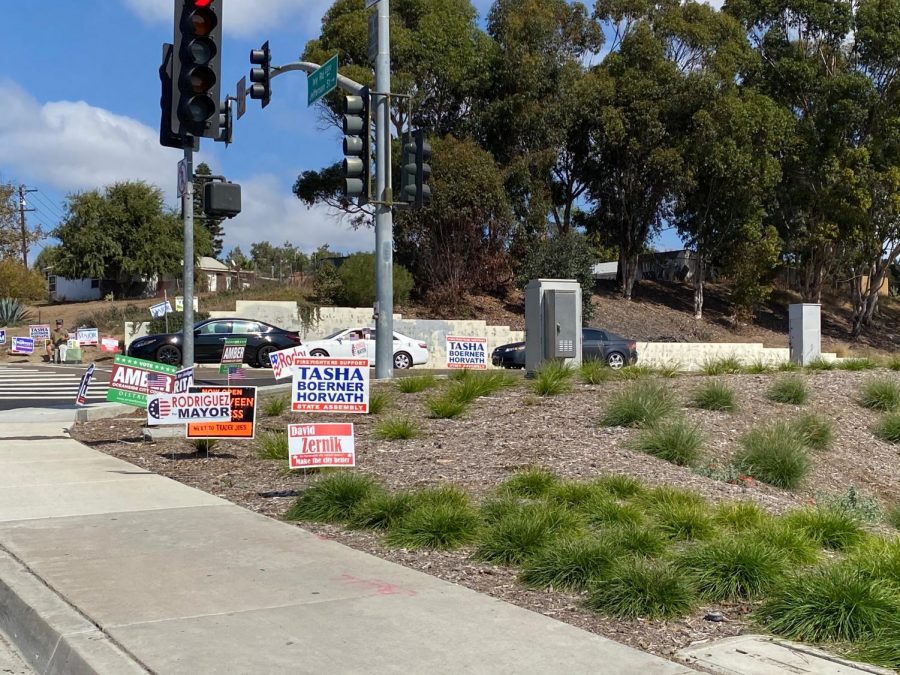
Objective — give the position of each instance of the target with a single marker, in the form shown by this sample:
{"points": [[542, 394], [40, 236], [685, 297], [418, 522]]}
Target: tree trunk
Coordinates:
{"points": [[699, 278], [628, 269]]}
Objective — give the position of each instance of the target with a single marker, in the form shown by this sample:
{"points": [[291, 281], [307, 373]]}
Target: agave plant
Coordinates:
{"points": [[13, 312]]}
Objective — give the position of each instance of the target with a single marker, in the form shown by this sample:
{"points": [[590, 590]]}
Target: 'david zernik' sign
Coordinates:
{"points": [[330, 385]]}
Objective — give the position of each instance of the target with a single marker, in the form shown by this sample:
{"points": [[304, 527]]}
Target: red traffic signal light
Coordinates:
{"points": [[197, 68]]}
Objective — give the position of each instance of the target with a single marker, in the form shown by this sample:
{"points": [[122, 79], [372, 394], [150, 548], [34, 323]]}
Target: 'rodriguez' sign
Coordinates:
{"points": [[182, 408], [330, 385], [466, 352]]}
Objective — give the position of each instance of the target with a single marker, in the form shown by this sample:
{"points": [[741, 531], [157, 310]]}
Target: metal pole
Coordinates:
{"points": [[187, 210], [384, 224]]}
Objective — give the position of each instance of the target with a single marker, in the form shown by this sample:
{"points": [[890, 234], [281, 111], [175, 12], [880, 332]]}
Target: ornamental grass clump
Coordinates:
{"points": [[774, 454], [416, 383], [883, 649], [594, 371], [739, 516], [637, 540], [435, 524], [733, 568], [888, 427], [791, 389], [878, 558], [728, 365], [552, 378], [603, 510], [522, 533], [758, 367], [620, 485], [816, 432], [532, 482], [820, 364], [635, 372], [570, 564], [333, 499], [880, 393], [572, 494], [641, 404], [715, 395], [446, 407], [378, 401], [276, 406], [381, 510], [272, 445], [641, 588], [676, 441], [834, 603], [830, 527], [795, 545], [397, 429], [862, 363]]}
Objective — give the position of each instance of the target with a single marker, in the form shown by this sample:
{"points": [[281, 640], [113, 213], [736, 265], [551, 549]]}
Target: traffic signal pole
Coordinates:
{"points": [[187, 211], [384, 220]]}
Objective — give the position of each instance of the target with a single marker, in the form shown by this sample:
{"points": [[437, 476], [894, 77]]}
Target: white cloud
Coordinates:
{"points": [[71, 145], [270, 213], [244, 18]]}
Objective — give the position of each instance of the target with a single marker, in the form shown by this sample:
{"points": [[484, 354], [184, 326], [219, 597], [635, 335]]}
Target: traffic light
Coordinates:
{"points": [[261, 77], [357, 158], [167, 137], [196, 72], [226, 126], [415, 170]]}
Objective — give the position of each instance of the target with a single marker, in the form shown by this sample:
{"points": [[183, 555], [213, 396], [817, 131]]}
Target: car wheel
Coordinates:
{"points": [[402, 361], [318, 352], [169, 354], [262, 356], [615, 360]]}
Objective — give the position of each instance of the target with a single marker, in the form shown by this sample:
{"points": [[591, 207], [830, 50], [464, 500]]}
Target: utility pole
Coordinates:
{"points": [[384, 220], [187, 207], [22, 210]]}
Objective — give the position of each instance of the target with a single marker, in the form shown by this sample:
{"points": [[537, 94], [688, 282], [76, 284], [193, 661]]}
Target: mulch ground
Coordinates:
{"points": [[514, 429]]}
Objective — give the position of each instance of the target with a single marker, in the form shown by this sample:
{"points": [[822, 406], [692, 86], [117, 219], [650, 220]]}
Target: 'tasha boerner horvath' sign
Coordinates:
{"points": [[133, 379]]}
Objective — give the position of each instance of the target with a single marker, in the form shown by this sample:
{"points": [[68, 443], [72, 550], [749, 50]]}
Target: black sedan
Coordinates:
{"points": [[615, 350], [209, 340]]}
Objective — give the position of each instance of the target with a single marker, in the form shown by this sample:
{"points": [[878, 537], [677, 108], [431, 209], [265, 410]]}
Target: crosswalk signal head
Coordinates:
{"points": [[357, 141], [261, 76], [197, 67]]}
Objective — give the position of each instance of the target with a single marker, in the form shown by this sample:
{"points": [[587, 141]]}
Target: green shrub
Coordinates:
{"points": [[445, 408], [378, 401], [796, 545], [775, 455], [522, 533], [416, 383], [206, 445], [733, 568], [637, 540], [381, 510], [158, 325], [677, 441], [552, 378], [864, 363], [888, 427], [17, 281], [684, 521], [112, 319], [272, 445], [469, 386], [641, 404], [820, 364], [830, 527], [670, 370], [357, 282], [276, 406], [715, 395], [397, 428], [13, 312], [573, 493], [788, 367], [729, 365], [880, 393], [893, 515], [531, 482], [595, 371], [333, 499], [739, 516], [855, 504], [789, 390], [878, 558], [442, 494], [634, 372], [832, 603], [435, 525], [620, 486], [815, 431], [666, 495], [603, 510], [640, 588], [570, 564], [758, 367], [883, 649]]}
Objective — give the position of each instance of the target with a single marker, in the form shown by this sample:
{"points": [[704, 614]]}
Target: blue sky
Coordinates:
{"points": [[81, 110]]}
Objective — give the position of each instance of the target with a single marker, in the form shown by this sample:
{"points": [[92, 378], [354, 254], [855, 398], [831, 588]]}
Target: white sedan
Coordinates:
{"points": [[358, 342]]}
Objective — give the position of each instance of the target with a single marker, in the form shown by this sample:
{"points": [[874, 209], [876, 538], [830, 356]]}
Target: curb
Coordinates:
{"points": [[102, 412], [51, 635]]}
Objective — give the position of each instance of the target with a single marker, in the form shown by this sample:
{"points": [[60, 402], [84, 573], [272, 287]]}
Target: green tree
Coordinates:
{"points": [[357, 276], [123, 236], [567, 255], [278, 262], [211, 244], [239, 260], [17, 281]]}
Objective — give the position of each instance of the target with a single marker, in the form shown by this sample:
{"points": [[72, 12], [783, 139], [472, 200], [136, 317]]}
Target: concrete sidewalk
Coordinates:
{"points": [[107, 568]]}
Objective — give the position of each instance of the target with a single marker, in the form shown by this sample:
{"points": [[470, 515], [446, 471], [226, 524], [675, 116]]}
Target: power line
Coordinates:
{"points": [[46, 201]]}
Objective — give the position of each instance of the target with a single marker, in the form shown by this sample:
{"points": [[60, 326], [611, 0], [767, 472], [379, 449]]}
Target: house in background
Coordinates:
{"points": [[658, 266], [73, 290]]}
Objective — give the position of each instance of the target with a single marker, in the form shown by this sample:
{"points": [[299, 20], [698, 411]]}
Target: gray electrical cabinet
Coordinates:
{"points": [[552, 322], [805, 333]]}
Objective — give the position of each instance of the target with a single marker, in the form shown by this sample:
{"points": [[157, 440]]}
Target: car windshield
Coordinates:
{"points": [[334, 334]]}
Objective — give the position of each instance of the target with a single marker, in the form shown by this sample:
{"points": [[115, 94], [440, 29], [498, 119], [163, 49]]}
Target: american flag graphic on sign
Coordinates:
{"points": [[159, 408], [236, 373], [157, 382]]}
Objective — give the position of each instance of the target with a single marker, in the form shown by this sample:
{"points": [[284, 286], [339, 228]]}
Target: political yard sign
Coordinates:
{"points": [[88, 336], [184, 379], [467, 352], [39, 331], [132, 380], [184, 408], [81, 397], [232, 353], [283, 361], [319, 445], [242, 423], [2, 336], [22, 345], [109, 344], [330, 385]]}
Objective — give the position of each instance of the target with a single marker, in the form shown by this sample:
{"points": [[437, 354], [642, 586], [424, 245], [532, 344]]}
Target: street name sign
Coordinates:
{"points": [[322, 80]]}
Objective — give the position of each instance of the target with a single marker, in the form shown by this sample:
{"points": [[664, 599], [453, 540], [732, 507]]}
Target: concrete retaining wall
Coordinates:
{"points": [[686, 355]]}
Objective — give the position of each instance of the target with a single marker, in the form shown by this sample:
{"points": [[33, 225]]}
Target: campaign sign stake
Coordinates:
{"points": [[320, 445], [466, 352], [81, 399], [330, 385]]}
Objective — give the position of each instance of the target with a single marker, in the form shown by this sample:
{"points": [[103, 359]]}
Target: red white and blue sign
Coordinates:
{"points": [[184, 380], [81, 399], [191, 407], [22, 345]]}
